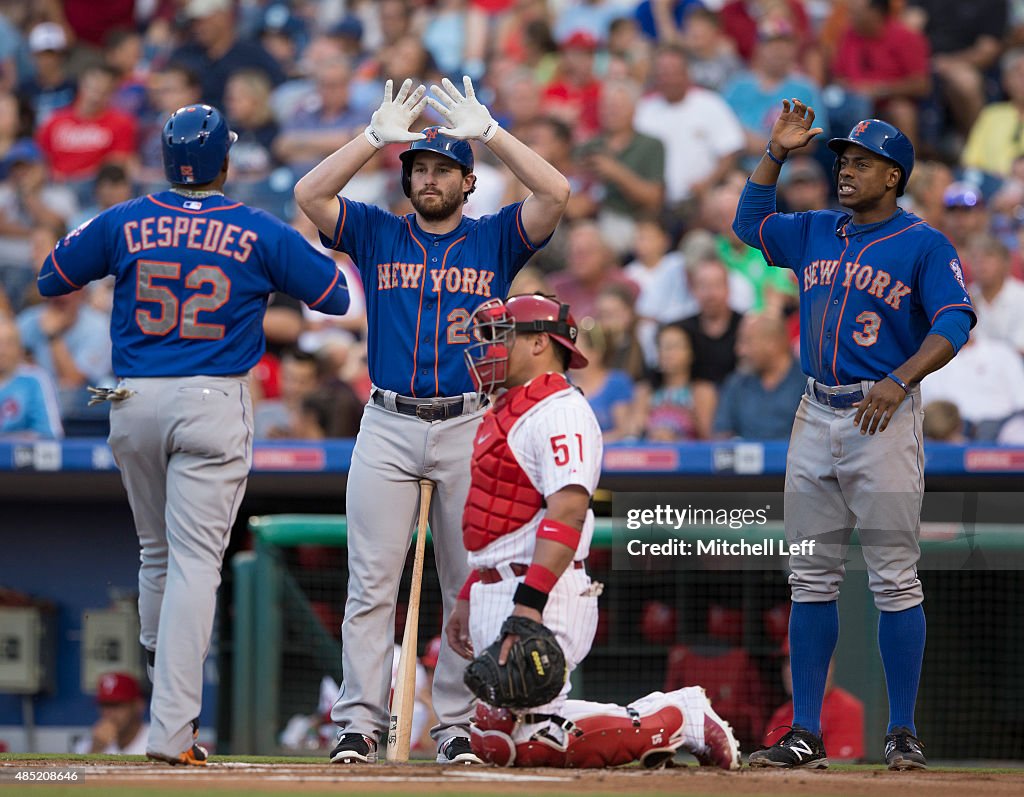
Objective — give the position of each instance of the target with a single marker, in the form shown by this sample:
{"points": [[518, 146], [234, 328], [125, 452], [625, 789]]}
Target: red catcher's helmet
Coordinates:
{"points": [[495, 325]]}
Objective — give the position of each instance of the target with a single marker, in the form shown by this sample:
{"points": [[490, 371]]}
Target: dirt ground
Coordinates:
{"points": [[228, 778]]}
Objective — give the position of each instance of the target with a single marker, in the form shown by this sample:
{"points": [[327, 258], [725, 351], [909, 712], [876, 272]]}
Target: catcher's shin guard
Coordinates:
{"points": [[606, 740]]}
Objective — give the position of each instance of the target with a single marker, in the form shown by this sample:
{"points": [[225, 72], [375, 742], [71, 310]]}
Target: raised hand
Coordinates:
{"points": [[391, 121], [792, 129], [464, 114]]}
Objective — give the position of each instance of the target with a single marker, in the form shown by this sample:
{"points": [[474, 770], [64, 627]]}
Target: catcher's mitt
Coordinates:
{"points": [[533, 675]]}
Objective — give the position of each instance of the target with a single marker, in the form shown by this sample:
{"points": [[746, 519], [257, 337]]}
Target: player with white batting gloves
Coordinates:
{"points": [[527, 526], [193, 271], [424, 274]]}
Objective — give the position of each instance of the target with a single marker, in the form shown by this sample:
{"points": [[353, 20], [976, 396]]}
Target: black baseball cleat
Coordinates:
{"points": [[457, 750], [354, 748], [797, 749], [903, 750]]}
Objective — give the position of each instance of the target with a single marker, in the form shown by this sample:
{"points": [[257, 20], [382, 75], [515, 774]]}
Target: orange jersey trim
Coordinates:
{"points": [[193, 212], [419, 311]]}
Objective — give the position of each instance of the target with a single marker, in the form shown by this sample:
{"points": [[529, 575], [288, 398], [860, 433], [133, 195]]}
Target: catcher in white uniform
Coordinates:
{"points": [[527, 527]]}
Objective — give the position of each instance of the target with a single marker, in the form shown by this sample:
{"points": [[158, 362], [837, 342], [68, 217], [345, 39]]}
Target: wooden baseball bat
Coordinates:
{"points": [[400, 731]]}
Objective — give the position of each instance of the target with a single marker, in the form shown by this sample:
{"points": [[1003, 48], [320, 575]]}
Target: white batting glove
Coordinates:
{"points": [[390, 122], [466, 116]]}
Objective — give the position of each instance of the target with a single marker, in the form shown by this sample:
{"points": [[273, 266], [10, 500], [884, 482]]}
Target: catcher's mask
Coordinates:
{"points": [[495, 325]]}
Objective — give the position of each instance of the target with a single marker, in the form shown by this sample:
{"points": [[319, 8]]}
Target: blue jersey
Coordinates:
{"points": [[869, 295], [28, 404], [192, 280], [421, 289]]}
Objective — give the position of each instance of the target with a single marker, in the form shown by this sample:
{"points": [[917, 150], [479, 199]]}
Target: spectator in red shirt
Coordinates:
{"points": [[574, 94], [80, 139], [881, 58], [842, 717]]}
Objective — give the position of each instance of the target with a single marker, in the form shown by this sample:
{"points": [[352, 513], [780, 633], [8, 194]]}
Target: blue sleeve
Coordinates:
{"points": [[78, 258], [357, 230], [955, 326], [512, 247], [779, 236], [308, 275], [941, 288]]}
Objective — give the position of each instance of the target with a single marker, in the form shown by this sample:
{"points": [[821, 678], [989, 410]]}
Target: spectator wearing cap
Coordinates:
{"points": [[997, 296], [79, 139], [574, 95], [215, 52], [964, 215], [758, 401], [996, 139], [347, 33], [774, 75], [120, 729], [701, 135], [804, 185], [879, 58], [323, 122], [50, 88], [626, 168]]}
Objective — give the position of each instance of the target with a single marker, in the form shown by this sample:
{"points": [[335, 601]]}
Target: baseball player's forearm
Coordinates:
{"points": [[316, 193], [549, 189], [934, 353]]}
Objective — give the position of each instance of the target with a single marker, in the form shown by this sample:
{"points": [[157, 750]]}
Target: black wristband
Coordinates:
{"points": [[530, 597]]}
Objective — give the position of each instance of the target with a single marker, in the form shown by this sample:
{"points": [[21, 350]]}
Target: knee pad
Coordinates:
{"points": [[491, 735]]}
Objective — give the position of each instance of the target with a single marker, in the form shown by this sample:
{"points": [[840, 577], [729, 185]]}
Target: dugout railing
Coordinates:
{"points": [[289, 591]]}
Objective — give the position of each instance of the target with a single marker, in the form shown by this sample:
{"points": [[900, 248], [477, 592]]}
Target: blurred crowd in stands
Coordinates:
{"points": [[656, 111]]}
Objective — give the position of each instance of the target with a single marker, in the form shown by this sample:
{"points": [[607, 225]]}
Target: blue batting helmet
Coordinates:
{"points": [[435, 141], [196, 140], [883, 139]]}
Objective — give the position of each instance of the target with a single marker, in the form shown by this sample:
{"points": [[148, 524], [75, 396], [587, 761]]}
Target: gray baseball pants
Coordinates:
{"points": [[184, 447], [838, 479], [392, 453]]}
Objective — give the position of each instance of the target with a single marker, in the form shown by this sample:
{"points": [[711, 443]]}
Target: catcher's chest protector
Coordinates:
{"points": [[502, 499]]}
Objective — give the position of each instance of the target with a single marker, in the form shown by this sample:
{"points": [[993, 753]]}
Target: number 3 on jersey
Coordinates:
{"points": [[563, 448], [166, 319]]}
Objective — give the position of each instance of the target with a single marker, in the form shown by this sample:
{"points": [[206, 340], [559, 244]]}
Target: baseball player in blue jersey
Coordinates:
{"points": [[424, 274], [882, 304], [193, 271]]}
